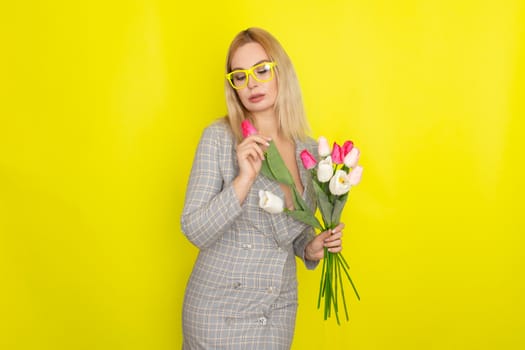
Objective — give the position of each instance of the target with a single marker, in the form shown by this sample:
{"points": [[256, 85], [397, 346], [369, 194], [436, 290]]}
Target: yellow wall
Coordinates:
{"points": [[103, 102]]}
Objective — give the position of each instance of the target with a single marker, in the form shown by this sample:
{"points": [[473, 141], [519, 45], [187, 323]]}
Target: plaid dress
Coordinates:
{"points": [[242, 293]]}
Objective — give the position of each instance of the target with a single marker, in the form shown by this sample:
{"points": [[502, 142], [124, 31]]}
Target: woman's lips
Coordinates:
{"points": [[256, 98]]}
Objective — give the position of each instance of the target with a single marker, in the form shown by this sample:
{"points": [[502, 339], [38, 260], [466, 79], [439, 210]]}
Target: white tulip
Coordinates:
{"points": [[323, 147], [270, 202], [325, 170], [339, 184]]}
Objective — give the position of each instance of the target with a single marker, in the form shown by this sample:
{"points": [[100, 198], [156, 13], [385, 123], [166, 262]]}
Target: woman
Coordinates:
{"points": [[242, 293]]}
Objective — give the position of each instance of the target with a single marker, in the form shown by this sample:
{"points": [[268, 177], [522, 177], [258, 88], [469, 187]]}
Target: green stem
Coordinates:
{"points": [[334, 286], [342, 288], [328, 288], [344, 260], [351, 282], [336, 265], [321, 285]]}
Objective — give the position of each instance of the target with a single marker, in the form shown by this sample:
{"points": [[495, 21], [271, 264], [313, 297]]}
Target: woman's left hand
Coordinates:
{"points": [[331, 239]]}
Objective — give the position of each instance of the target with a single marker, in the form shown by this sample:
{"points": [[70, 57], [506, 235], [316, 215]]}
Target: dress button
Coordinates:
{"points": [[270, 290], [262, 321], [246, 246], [237, 285]]}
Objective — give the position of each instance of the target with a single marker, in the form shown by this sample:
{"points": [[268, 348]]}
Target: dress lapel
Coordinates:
{"points": [[283, 228]]}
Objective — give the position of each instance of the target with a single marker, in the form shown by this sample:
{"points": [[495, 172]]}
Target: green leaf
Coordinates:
{"points": [[265, 170], [299, 202], [306, 217], [277, 166], [339, 204], [325, 206]]}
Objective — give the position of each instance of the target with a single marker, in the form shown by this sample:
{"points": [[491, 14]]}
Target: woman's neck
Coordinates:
{"points": [[267, 124]]}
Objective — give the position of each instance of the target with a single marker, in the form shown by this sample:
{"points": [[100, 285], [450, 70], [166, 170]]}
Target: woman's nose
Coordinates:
{"points": [[252, 82]]}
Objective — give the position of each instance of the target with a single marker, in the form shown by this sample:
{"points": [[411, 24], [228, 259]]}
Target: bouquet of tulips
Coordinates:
{"points": [[332, 177]]}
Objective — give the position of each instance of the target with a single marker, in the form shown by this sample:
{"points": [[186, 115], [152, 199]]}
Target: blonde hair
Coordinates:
{"points": [[288, 105]]}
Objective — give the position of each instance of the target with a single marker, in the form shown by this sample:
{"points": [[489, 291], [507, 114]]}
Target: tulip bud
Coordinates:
{"points": [[337, 154], [247, 128], [270, 202], [347, 147], [339, 184], [323, 148], [308, 160], [325, 170], [355, 175], [352, 158]]}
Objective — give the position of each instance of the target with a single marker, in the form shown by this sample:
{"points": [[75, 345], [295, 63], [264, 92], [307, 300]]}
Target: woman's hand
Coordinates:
{"points": [[250, 155], [331, 239]]}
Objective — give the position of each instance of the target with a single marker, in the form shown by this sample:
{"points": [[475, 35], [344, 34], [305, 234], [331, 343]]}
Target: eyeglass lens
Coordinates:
{"points": [[262, 73]]}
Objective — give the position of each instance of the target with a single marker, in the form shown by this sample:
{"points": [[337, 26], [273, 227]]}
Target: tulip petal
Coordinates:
{"points": [[323, 147], [355, 175], [325, 170], [339, 183], [270, 202], [247, 128], [308, 160], [347, 147], [337, 154], [352, 157]]}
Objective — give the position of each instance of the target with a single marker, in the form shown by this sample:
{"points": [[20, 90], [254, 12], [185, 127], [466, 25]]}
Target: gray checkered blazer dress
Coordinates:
{"points": [[242, 293]]}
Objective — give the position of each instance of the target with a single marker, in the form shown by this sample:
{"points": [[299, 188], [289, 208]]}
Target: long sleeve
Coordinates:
{"points": [[211, 204], [308, 233], [299, 246]]}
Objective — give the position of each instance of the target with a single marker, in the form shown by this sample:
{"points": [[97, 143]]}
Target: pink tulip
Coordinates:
{"points": [[355, 175], [247, 128], [347, 147], [337, 154], [323, 147], [308, 160], [352, 157]]}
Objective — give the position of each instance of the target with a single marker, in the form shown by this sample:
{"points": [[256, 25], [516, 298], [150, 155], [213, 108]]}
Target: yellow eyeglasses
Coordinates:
{"points": [[262, 72]]}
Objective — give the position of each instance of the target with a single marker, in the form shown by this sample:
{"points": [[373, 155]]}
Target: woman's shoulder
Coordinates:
{"points": [[218, 130], [308, 143]]}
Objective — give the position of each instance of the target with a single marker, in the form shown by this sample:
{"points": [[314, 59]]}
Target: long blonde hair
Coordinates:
{"points": [[288, 105]]}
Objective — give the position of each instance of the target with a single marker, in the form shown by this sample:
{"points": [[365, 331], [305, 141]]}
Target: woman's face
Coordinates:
{"points": [[257, 96]]}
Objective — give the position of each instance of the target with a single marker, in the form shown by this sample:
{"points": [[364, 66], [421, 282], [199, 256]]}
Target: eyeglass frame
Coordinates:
{"points": [[249, 72]]}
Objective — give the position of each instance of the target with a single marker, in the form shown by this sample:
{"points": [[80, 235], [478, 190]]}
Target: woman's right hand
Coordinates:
{"points": [[250, 155]]}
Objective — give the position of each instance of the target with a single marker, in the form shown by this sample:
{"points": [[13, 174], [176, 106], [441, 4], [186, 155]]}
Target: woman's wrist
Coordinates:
{"points": [[241, 186], [308, 254]]}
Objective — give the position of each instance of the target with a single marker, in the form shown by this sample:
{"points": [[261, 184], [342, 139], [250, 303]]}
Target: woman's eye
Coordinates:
{"points": [[239, 77]]}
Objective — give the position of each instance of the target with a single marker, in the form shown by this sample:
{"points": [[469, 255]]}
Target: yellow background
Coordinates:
{"points": [[102, 104]]}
